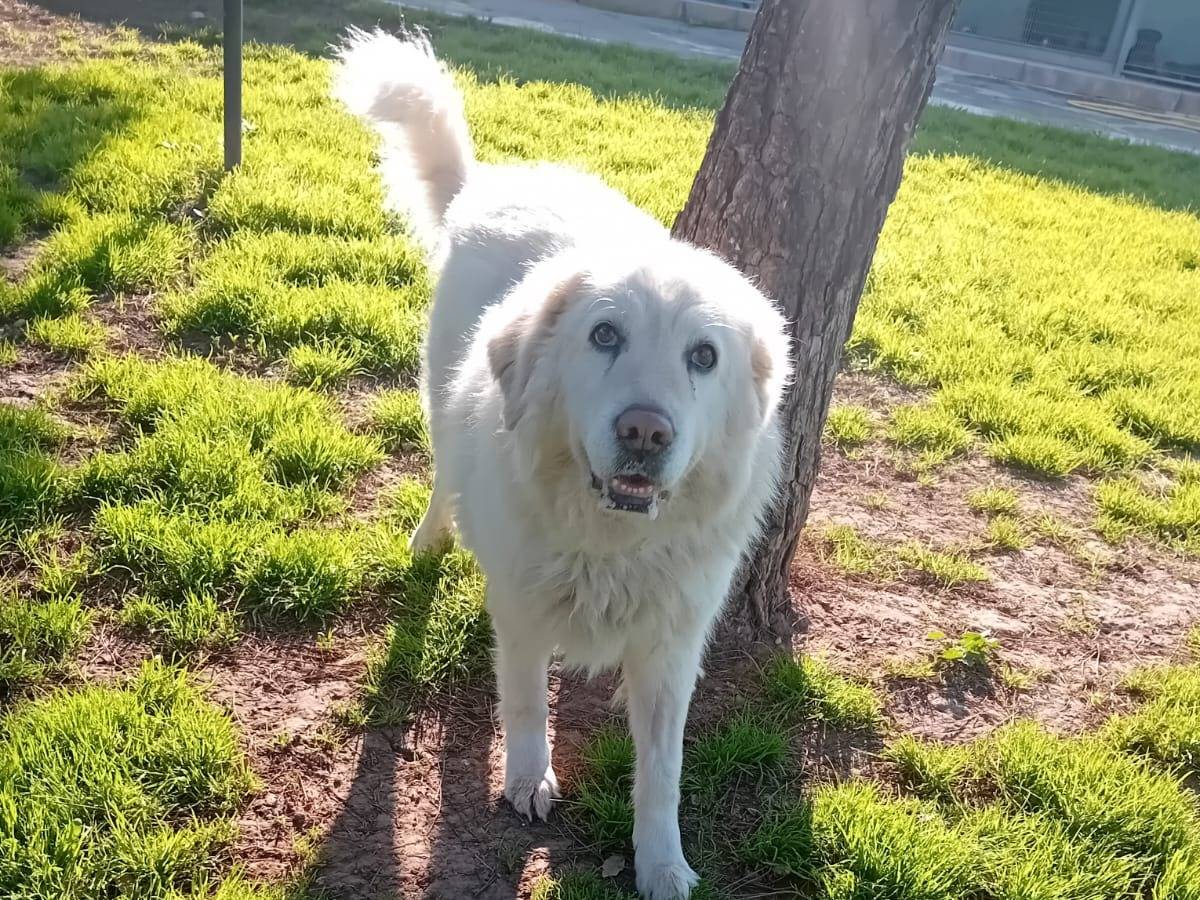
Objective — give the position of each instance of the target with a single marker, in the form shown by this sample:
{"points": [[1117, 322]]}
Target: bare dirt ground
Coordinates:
{"points": [[417, 811]]}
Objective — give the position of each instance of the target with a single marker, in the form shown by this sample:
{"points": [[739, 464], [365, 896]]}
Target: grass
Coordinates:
{"points": [[848, 427], [196, 621], [810, 687], [38, 637], [745, 746], [439, 636], [1005, 532], [398, 418], [1170, 513], [32, 483], [854, 554], [993, 501], [109, 791], [933, 432], [1035, 285], [70, 335]]}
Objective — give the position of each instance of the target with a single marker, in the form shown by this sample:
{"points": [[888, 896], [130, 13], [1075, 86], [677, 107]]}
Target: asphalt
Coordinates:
{"points": [[963, 90]]}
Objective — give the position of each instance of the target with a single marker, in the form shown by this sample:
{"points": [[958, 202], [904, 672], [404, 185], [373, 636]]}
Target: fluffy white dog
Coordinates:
{"points": [[602, 401]]}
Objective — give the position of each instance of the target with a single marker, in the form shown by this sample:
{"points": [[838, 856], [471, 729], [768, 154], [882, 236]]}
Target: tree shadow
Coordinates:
{"points": [[51, 122]]}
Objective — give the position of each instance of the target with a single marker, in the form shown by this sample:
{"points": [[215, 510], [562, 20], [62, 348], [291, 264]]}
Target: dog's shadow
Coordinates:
{"points": [[426, 818]]}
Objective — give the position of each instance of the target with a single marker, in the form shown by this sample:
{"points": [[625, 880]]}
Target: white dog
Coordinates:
{"points": [[602, 401]]}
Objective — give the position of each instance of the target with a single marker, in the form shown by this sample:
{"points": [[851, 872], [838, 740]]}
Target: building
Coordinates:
{"points": [[1145, 52]]}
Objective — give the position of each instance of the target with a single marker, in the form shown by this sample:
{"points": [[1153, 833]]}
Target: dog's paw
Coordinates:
{"points": [[430, 539], [666, 881], [533, 796]]}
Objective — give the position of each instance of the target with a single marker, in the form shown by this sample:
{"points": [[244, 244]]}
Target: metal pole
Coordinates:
{"points": [[233, 83]]}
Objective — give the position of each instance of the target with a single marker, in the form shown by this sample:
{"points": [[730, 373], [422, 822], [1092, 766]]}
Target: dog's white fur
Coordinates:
{"points": [[522, 408]]}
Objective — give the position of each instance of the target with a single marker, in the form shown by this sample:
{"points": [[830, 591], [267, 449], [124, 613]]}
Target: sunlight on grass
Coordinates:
{"points": [[141, 805], [438, 637], [853, 554], [37, 636], [810, 687]]}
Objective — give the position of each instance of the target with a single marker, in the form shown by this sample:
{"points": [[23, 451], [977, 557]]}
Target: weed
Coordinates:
{"points": [[971, 648]]}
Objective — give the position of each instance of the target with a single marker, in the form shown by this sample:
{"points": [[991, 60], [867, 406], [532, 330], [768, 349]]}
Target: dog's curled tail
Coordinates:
{"points": [[404, 91]]}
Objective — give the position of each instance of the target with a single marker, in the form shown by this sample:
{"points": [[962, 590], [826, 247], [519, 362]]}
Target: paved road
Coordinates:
{"points": [[985, 96]]}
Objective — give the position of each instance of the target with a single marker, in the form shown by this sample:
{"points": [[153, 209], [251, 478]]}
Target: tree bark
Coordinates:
{"points": [[802, 165]]}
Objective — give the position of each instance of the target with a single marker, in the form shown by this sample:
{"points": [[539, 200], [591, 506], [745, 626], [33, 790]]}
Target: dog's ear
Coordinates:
{"points": [[514, 351]]}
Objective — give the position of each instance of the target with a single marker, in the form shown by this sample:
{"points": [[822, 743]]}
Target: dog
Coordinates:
{"points": [[603, 403]]}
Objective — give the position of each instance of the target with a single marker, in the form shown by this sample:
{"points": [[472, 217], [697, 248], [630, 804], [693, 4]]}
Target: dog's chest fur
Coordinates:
{"points": [[595, 604]]}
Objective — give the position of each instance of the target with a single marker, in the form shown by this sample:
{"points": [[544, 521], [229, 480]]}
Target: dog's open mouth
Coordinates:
{"points": [[628, 492]]}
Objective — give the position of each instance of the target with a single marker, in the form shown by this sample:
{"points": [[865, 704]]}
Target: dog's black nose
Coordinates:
{"points": [[641, 429]]}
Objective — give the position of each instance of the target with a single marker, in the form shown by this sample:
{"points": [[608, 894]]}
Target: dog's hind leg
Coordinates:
{"points": [[436, 530]]}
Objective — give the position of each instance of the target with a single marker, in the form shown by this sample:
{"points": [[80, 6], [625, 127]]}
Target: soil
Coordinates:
{"points": [[417, 811]]}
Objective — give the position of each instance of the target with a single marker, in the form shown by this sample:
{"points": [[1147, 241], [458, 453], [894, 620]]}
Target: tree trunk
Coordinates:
{"points": [[803, 162]]}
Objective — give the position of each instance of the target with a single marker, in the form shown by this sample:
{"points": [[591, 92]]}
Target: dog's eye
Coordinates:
{"points": [[605, 336], [703, 356]]}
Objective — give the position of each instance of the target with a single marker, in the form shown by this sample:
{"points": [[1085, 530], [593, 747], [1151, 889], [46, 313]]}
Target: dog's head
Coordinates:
{"points": [[638, 374]]}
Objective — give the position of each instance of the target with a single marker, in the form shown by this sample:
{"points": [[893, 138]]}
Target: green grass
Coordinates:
{"points": [[602, 798], [745, 746], [944, 568], [71, 335], [398, 418], [993, 501], [32, 483], [1038, 286], [854, 554], [196, 621], [1167, 728], [438, 637], [810, 687], [931, 431], [1170, 513], [848, 427], [1005, 532], [38, 637], [125, 791]]}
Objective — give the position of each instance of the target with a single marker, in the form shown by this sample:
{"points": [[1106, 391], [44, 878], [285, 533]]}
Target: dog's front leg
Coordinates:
{"points": [[521, 661], [658, 683]]}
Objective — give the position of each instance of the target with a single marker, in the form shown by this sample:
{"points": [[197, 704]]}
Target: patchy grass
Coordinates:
{"points": [[993, 501], [1170, 513], [602, 800], [1007, 533], [746, 746], [945, 568], [398, 418], [933, 432], [32, 483], [70, 335], [854, 554], [848, 427], [194, 622], [118, 790], [439, 636], [1007, 286], [810, 687], [1167, 728], [38, 637]]}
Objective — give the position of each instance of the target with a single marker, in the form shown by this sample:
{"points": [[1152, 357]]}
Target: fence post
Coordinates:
{"points": [[233, 84]]}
